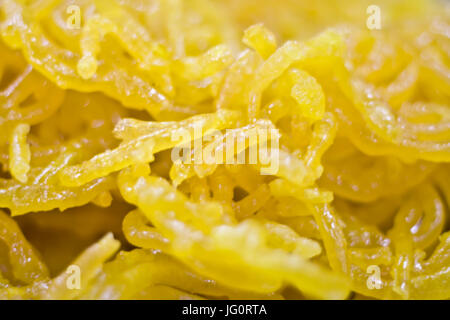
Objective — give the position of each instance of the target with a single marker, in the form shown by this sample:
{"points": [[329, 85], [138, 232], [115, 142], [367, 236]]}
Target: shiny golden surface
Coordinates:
{"points": [[87, 116]]}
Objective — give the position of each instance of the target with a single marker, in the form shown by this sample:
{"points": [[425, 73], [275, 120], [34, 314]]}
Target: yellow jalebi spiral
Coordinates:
{"points": [[116, 119]]}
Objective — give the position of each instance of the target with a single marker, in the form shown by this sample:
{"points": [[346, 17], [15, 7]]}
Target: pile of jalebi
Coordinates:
{"points": [[92, 93]]}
